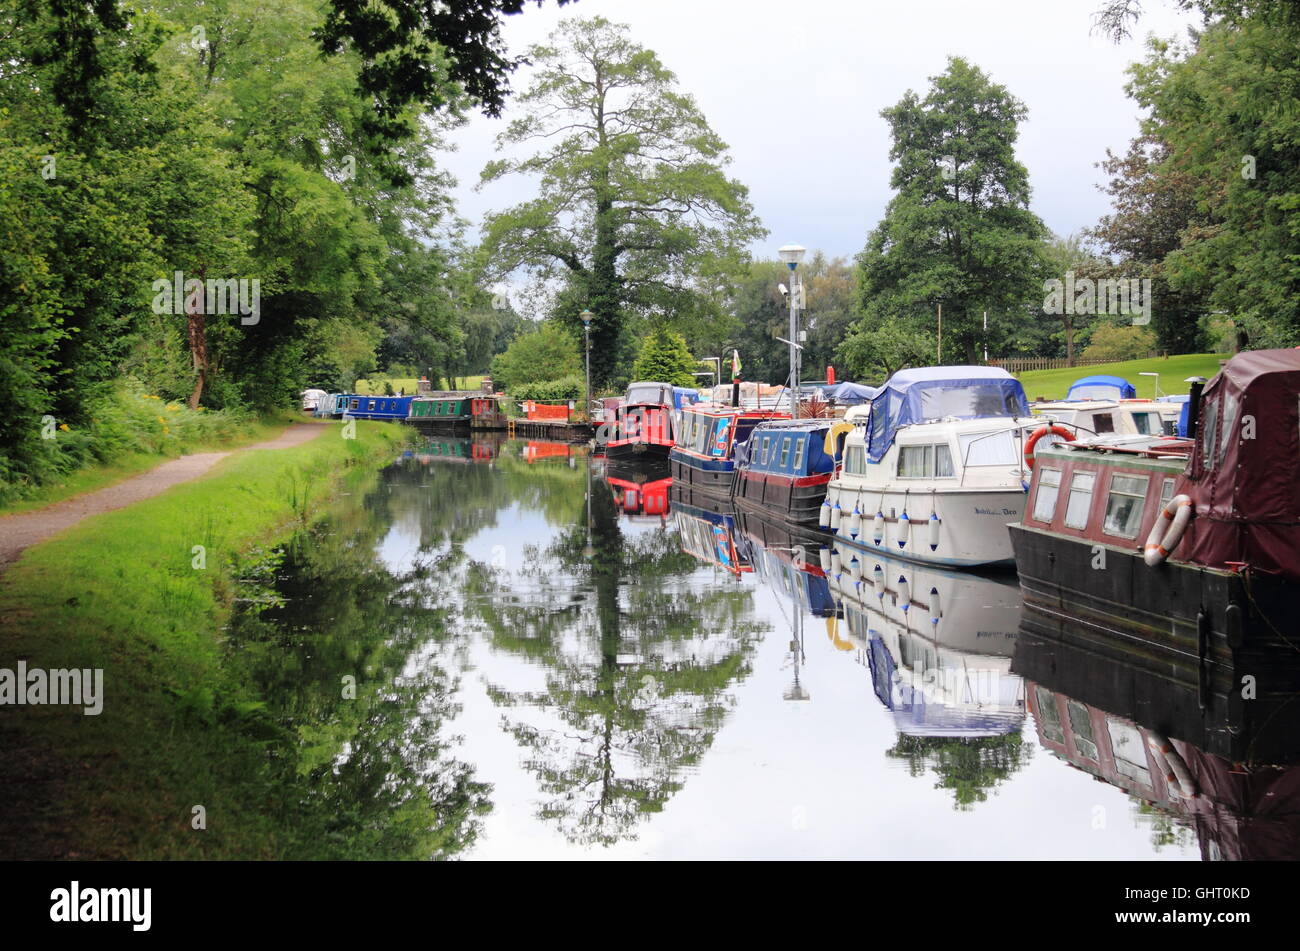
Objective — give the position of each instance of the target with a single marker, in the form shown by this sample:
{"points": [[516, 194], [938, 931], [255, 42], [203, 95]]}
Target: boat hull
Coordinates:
{"points": [[797, 498], [637, 452], [713, 477], [1192, 625], [972, 529]]}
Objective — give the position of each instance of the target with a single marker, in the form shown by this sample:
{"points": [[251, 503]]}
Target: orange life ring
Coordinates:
{"points": [[1039, 433]]}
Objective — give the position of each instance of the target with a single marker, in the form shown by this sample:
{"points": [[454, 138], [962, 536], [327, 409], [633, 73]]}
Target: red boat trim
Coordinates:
{"points": [[754, 475]]}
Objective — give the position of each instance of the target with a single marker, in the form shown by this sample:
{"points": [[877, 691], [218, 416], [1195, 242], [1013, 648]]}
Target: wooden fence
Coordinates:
{"points": [[1023, 364]]}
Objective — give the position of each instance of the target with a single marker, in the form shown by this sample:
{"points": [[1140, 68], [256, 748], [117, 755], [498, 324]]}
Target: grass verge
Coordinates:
{"points": [[129, 592], [1053, 384]]}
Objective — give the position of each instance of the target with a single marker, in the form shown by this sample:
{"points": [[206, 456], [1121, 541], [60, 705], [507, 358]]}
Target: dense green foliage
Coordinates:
{"points": [[635, 215], [547, 352], [958, 234], [665, 358]]}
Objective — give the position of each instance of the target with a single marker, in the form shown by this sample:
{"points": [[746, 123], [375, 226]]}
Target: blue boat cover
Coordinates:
{"points": [[929, 393], [849, 394], [684, 396], [1184, 414], [1101, 388]]}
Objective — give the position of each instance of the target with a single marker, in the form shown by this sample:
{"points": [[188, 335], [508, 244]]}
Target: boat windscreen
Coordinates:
{"points": [[969, 400], [646, 394]]}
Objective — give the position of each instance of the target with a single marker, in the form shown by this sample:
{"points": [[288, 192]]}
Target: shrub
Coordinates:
{"points": [[566, 388]]}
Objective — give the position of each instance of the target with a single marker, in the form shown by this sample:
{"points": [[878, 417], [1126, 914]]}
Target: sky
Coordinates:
{"points": [[796, 92]]}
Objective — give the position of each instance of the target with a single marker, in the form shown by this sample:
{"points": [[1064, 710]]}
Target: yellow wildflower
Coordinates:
{"points": [[64, 427]]}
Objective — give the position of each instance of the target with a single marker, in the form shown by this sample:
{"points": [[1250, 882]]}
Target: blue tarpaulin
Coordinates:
{"points": [[930, 393], [1101, 388], [849, 394]]}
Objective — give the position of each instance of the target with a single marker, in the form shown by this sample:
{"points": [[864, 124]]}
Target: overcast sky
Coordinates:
{"points": [[821, 179]]}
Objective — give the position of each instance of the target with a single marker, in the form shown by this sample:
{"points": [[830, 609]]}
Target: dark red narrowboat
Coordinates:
{"points": [[1188, 547], [643, 427]]}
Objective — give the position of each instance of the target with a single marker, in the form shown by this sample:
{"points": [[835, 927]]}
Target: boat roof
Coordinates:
{"points": [[926, 394], [1123, 388], [851, 393]]}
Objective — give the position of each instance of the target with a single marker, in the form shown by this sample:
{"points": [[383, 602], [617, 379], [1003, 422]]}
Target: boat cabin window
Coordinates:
{"points": [[785, 451], [356, 404], [1229, 418], [1166, 492], [370, 405], [767, 449], [922, 462], [1076, 509], [1081, 729], [798, 455], [989, 449], [1049, 718], [855, 460], [1209, 431], [1103, 423], [1124, 505], [1148, 424], [1049, 490]]}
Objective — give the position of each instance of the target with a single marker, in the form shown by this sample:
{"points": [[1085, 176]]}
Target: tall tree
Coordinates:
{"points": [[1225, 111], [634, 212], [958, 233]]}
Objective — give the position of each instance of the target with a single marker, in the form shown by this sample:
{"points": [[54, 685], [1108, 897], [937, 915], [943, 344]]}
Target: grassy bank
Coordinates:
{"points": [[130, 593], [377, 384], [130, 432], [1053, 384]]}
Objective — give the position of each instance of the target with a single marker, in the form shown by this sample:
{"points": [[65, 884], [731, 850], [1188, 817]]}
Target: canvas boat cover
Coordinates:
{"points": [[1101, 388], [930, 393], [1242, 474], [849, 394]]}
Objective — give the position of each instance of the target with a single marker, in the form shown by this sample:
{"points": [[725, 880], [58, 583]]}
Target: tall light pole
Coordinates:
{"points": [[586, 316], [791, 255]]}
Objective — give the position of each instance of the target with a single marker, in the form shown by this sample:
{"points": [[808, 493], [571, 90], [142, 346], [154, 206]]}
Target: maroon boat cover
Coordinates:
{"points": [[1244, 475]]}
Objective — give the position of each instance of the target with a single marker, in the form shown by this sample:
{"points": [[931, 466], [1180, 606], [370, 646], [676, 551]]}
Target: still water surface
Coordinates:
{"points": [[555, 661]]}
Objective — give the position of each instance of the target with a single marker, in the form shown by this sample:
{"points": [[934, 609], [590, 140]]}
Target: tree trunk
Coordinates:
{"points": [[1069, 342], [197, 332]]}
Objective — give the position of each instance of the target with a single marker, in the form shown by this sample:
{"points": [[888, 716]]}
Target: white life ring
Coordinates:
{"points": [[1178, 511]]}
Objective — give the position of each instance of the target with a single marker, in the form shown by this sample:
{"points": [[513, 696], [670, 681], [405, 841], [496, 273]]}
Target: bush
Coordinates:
{"points": [[1114, 342], [124, 421], [546, 354], [566, 388]]}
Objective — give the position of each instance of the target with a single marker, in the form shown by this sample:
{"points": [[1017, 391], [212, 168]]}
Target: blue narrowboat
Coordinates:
{"points": [[703, 454], [363, 406], [784, 467]]}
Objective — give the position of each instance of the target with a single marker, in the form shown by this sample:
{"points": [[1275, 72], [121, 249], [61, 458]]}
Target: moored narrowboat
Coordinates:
{"points": [[445, 410], [363, 406], [784, 467], [643, 421], [703, 454], [1190, 548]]}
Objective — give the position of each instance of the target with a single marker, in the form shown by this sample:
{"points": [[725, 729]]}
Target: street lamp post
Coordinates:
{"points": [[791, 255], [586, 316]]}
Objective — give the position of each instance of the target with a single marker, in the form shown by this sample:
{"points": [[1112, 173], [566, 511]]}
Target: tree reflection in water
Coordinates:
{"points": [[638, 662]]}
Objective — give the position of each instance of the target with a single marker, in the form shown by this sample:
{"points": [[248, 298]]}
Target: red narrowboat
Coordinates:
{"points": [[1188, 547]]}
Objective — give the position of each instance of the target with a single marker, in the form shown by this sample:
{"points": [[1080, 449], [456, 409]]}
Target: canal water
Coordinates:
{"points": [[500, 649]]}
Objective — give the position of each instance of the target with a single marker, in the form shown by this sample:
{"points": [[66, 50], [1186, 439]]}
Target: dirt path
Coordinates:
{"points": [[24, 529]]}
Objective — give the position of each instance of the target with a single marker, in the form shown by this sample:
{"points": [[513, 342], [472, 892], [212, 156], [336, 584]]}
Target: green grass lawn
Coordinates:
{"points": [[122, 592], [407, 384], [1053, 384]]}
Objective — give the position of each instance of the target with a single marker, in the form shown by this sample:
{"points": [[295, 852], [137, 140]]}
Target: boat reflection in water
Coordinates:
{"points": [[641, 493], [708, 532], [938, 643], [1227, 772]]}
